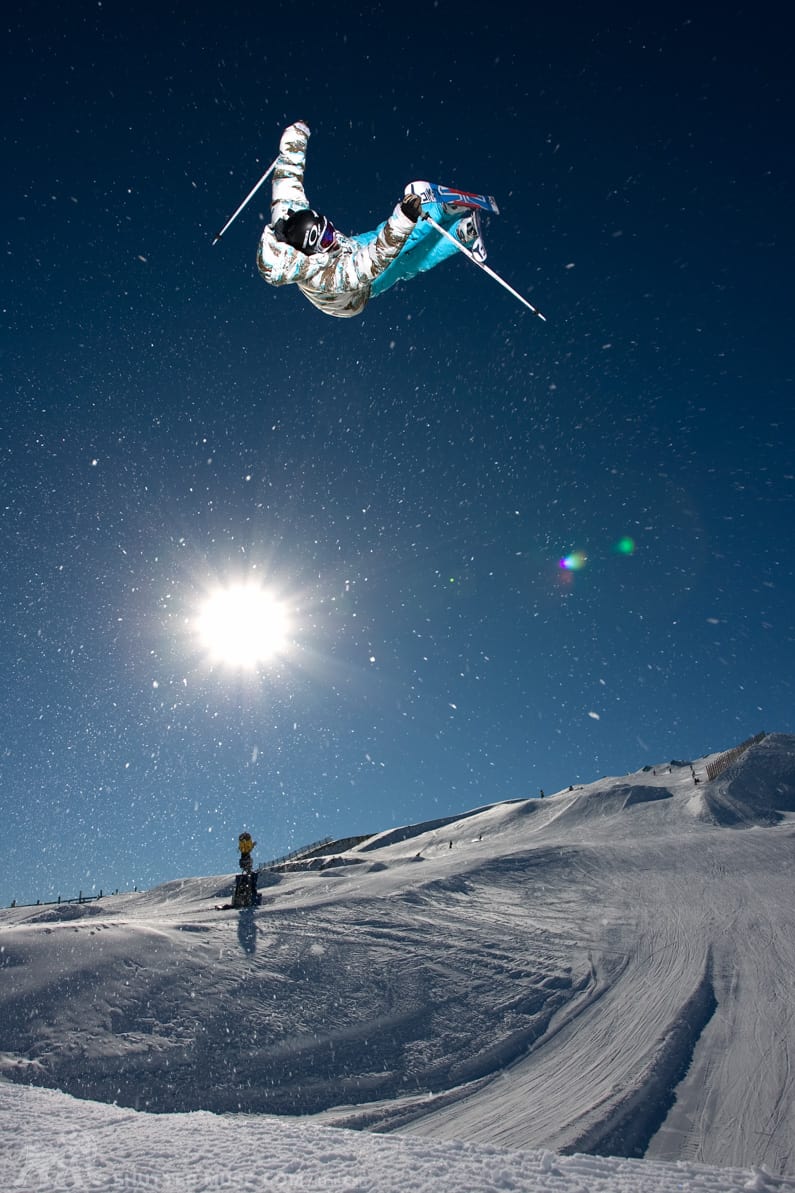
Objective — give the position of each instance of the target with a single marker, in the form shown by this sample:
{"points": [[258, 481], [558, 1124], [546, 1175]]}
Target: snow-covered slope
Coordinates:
{"points": [[608, 970], [52, 1143]]}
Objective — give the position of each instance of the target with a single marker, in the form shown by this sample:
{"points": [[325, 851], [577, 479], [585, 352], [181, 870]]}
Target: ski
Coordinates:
{"points": [[238, 906], [434, 192]]}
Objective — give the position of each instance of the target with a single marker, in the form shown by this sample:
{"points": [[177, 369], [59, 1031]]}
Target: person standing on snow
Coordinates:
{"points": [[339, 274]]}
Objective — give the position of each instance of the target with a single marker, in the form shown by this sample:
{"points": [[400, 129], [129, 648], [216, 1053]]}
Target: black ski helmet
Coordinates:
{"points": [[306, 230]]}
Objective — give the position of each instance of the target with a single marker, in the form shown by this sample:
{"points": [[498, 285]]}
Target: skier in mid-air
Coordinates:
{"points": [[339, 274]]}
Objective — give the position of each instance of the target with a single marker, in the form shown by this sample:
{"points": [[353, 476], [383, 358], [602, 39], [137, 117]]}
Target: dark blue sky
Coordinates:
{"points": [[408, 479]]}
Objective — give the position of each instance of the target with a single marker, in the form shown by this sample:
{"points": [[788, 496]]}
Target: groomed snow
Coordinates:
{"points": [[607, 971]]}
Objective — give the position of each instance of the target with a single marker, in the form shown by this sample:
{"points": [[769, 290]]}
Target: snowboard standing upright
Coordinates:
{"points": [[245, 890]]}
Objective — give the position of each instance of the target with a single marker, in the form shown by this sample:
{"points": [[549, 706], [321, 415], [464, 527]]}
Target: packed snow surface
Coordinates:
{"points": [[503, 1000], [54, 1143]]}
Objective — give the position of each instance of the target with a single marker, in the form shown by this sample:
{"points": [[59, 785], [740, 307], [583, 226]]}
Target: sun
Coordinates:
{"points": [[242, 626]]}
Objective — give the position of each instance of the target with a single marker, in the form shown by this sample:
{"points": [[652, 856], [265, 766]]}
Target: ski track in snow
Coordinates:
{"points": [[608, 971]]}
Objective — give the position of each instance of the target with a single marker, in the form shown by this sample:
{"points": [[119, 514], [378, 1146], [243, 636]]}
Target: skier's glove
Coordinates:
{"points": [[412, 207]]}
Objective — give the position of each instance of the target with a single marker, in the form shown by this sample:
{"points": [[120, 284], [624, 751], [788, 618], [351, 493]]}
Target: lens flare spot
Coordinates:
{"points": [[625, 546], [574, 562], [242, 626]]}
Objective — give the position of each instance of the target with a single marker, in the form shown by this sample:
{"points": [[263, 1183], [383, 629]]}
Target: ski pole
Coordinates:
{"points": [[468, 253], [247, 199]]}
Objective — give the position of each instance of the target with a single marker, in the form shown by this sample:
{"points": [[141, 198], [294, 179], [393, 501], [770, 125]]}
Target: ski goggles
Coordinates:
{"points": [[328, 237]]}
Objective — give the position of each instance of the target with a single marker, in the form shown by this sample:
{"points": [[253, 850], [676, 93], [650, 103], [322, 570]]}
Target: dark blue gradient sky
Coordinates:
{"points": [[408, 480]]}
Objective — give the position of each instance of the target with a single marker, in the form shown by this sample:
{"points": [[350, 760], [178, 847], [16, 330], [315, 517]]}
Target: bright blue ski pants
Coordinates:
{"points": [[424, 248]]}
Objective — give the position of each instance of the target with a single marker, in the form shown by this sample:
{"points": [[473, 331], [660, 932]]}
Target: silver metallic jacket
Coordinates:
{"points": [[337, 282]]}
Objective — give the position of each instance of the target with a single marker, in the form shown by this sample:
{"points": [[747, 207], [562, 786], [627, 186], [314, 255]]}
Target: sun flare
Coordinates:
{"points": [[242, 626]]}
